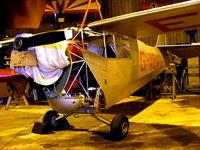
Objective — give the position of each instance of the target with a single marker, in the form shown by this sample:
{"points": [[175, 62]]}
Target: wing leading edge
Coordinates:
{"points": [[180, 16]]}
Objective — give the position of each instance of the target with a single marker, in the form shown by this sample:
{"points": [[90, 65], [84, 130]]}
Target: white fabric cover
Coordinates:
{"points": [[51, 61]]}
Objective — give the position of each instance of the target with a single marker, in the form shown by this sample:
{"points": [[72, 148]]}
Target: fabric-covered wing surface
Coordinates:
{"points": [[180, 16]]}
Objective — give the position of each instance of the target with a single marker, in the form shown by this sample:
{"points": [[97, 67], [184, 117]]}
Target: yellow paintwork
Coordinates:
{"points": [[120, 77]]}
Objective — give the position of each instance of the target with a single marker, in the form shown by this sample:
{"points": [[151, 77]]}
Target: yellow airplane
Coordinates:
{"points": [[113, 63]]}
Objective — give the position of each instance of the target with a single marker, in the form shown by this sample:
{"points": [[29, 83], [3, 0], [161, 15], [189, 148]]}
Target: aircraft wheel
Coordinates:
{"points": [[60, 124], [63, 124], [50, 119], [119, 127]]}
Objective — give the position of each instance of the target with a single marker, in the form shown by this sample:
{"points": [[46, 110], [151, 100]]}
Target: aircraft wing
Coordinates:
{"points": [[6, 46], [6, 41], [175, 17], [183, 51]]}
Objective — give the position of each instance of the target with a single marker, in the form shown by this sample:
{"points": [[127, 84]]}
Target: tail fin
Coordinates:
{"points": [[162, 40]]}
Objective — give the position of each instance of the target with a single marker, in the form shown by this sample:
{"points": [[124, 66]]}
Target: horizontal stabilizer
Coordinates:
{"points": [[183, 51]]}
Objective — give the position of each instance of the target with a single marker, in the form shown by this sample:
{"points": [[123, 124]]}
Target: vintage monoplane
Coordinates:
{"points": [[107, 62]]}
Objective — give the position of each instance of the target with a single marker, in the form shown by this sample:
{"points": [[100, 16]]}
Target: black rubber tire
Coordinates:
{"points": [[48, 117], [119, 127], [63, 124], [59, 124]]}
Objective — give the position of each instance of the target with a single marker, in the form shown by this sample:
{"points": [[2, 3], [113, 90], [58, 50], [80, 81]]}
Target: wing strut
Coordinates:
{"points": [[86, 13]]}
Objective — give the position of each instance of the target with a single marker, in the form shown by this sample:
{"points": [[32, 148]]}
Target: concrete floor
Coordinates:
{"points": [[162, 124]]}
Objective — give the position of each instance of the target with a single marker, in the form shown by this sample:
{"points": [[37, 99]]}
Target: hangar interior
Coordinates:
{"points": [[167, 107], [188, 78]]}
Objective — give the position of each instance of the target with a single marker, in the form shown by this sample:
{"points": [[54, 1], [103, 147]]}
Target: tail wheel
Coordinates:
{"points": [[119, 127], [50, 119], [63, 124]]}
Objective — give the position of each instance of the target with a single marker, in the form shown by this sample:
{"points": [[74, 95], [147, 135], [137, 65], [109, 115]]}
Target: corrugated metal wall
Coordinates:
{"points": [[119, 7]]}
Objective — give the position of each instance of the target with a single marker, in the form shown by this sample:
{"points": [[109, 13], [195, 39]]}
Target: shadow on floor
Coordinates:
{"points": [[130, 108]]}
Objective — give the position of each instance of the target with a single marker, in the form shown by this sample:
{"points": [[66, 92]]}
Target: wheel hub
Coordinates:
{"points": [[53, 121], [124, 127]]}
